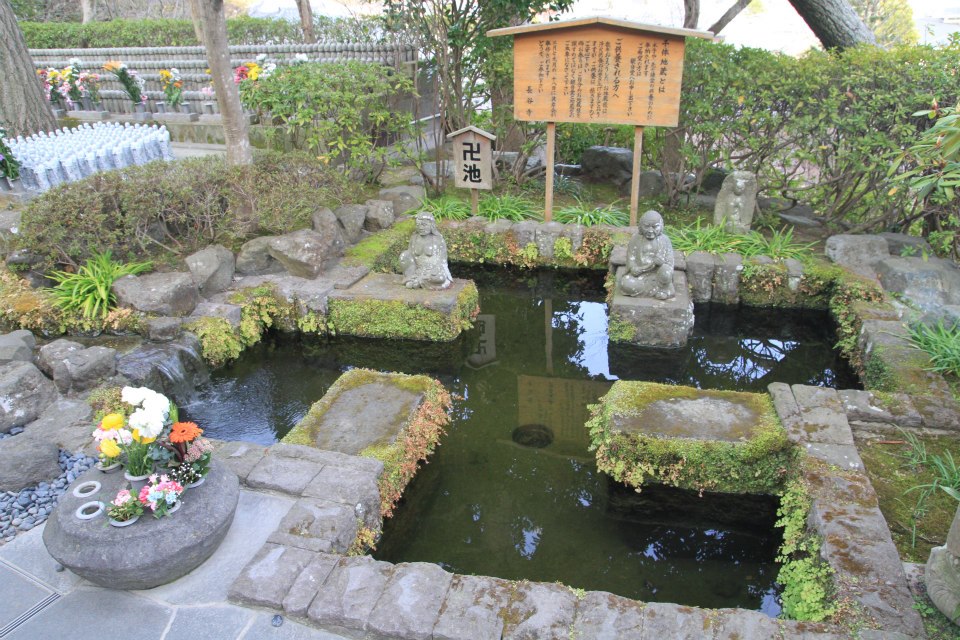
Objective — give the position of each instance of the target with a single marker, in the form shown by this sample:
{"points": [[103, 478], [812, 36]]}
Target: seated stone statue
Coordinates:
{"points": [[424, 263], [649, 271]]}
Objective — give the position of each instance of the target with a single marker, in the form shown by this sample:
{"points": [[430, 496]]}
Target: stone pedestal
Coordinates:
{"points": [[152, 551], [943, 573], [651, 322]]}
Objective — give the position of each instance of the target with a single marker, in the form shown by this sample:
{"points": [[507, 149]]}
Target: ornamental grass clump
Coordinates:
{"points": [[89, 291], [940, 342]]}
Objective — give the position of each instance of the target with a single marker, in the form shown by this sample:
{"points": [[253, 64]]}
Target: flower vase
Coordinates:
{"points": [[175, 507], [109, 468], [87, 103], [208, 108], [161, 107], [194, 485], [185, 108], [136, 482], [139, 108], [123, 523]]}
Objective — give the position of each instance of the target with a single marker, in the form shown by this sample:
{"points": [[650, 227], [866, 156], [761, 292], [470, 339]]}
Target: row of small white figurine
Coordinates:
{"points": [[66, 155]]}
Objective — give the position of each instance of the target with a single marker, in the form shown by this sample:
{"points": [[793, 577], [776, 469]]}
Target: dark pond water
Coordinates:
{"points": [[487, 504]]}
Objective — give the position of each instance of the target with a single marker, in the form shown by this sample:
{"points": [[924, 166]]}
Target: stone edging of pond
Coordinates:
{"points": [[303, 571]]}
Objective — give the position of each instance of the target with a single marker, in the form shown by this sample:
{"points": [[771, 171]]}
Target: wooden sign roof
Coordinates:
{"points": [[598, 70], [479, 132], [600, 20]]}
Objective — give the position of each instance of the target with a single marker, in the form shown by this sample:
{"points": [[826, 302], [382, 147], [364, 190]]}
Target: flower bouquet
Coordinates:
{"points": [[161, 495], [132, 83], [172, 87], [110, 435], [191, 453], [124, 509]]}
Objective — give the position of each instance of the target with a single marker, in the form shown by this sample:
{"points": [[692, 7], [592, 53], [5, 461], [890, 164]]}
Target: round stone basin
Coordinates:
{"points": [[152, 551]]}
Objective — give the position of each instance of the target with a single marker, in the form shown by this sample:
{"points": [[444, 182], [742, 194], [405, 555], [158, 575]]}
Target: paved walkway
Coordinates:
{"points": [[38, 602], [196, 150]]}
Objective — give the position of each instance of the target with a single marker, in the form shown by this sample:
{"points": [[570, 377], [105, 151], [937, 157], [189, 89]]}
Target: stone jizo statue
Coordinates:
{"points": [[424, 263], [649, 271], [736, 201], [942, 573]]}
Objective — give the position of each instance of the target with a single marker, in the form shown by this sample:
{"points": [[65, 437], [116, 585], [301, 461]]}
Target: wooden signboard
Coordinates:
{"points": [[598, 74], [472, 160], [598, 70]]}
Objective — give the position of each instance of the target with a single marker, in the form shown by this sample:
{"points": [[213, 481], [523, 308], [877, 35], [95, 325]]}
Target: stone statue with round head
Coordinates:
{"points": [[424, 263], [649, 270]]}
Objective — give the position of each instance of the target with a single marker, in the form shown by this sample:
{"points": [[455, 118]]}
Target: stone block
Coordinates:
{"points": [[604, 615], [308, 583], [656, 323], [380, 215], [317, 525], [938, 411], [305, 253], [88, 368], [824, 419], [539, 610], [472, 608], [350, 486], [164, 329], [726, 279], [545, 237], [254, 258], [51, 356], [66, 423], [165, 294], [844, 456], [351, 218], [666, 620], [287, 475], [379, 306], [404, 198], [212, 269], [918, 280], [24, 394], [701, 267], [744, 624], [349, 594], [786, 407], [410, 603], [268, 577], [857, 253], [240, 457], [893, 408], [232, 313], [25, 460], [525, 232]]}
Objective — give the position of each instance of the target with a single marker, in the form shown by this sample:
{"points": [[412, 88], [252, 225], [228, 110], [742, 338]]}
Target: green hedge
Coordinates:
{"points": [[152, 33], [162, 210]]}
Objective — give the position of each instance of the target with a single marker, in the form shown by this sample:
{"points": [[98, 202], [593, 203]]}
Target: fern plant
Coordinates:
{"points": [[89, 290]]}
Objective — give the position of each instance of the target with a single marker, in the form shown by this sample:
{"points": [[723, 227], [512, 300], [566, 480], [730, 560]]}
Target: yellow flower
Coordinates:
{"points": [[111, 421], [109, 448], [111, 65], [136, 436]]}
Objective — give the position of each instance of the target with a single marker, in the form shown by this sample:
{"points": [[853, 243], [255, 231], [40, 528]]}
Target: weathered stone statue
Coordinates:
{"points": [[424, 263], [942, 574], [737, 201], [649, 271]]}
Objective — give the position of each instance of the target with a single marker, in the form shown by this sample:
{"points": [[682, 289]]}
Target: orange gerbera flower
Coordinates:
{"points": [[184, 432]]}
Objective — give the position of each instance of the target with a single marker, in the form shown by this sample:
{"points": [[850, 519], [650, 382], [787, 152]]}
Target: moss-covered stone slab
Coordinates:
{"points": [[651, 322], [380, 306], [724, 441], [392, 417]]}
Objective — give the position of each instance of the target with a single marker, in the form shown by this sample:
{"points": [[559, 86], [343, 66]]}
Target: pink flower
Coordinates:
{"points": [[123, 497]]}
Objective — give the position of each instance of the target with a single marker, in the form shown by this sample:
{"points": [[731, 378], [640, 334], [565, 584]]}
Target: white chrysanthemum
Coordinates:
{"points": [[149, 423], [134, 395], [157, 403]]}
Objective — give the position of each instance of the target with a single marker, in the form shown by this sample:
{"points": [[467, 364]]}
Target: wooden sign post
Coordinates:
{"points": [[472, 161], [598, 70]]}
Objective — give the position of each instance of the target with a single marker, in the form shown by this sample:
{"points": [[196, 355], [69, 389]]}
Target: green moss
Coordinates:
{"points": [[398, 320], [758, 464], [219, 342], [381, 251], [620, 330]]}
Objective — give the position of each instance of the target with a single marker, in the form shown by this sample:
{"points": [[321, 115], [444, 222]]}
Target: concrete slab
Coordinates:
{"points": [[363, 416], [266, 579], [286, 475], [258, 514], [28, 554], [241, 457], [389, 287], [705, 418], [19, 596], [348, 486], [262, 629], [191, 623], [83, 614]]}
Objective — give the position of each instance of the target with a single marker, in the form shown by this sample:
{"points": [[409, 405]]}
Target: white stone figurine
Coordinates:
{"points": [[424, 263]]}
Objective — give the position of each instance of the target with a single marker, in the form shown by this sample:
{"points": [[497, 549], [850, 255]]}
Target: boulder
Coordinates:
{"points": [[50, 357], [351, 218], [164, 329], [27, 337], [74, 367], [379, 215], [404, 198], [67, 423], [254, 258], [24, 393], [324, 221], [212, 269], [305, 253], [651, 184], [904, 245], [165, 294], [607, 164], [26, 460], [14, 349], [918, 280], [232, 313], [857, 253]]}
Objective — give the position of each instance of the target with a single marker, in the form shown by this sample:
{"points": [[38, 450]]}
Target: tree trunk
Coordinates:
{"points": [[728, 16], [214, 26], [195, 18], [834, 22], [23, 107], [306, 21], [88, 10], [691, 13]]}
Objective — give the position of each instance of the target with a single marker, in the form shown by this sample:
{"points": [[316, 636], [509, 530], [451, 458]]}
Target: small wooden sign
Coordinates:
{"points": [[472, 158]]}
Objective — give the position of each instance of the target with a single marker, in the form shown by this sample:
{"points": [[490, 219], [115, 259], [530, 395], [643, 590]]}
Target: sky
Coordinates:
{"points": [[768, 24]]}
